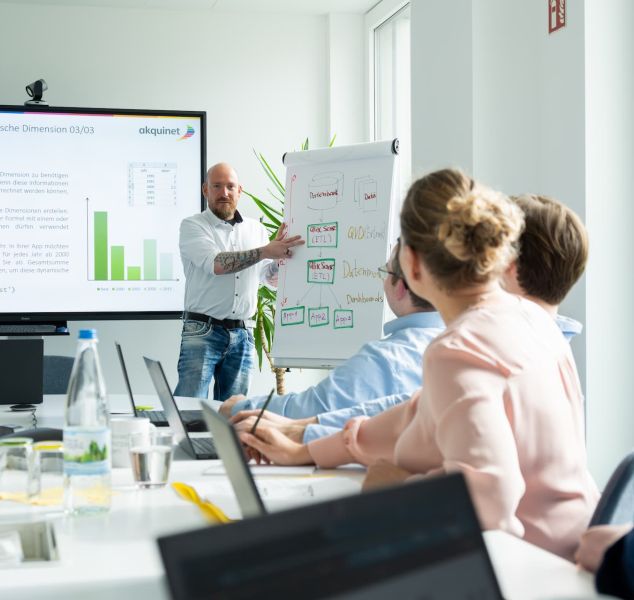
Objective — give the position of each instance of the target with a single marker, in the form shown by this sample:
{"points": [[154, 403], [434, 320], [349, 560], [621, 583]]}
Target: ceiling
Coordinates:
{"points": [[306, 7]]}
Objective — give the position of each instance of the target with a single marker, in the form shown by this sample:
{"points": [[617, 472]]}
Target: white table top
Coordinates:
{"points": [[51, 412], [116, 555]]}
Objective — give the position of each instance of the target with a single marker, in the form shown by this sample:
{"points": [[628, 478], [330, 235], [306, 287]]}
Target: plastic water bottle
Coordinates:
{"points": [[87, 486]]}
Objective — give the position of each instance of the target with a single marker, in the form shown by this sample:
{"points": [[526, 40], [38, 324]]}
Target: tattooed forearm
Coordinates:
{"points": [[232, 262]]}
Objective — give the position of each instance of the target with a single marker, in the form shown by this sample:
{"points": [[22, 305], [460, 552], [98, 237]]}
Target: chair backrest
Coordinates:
{"points": [[57, 373], [616, 505]]}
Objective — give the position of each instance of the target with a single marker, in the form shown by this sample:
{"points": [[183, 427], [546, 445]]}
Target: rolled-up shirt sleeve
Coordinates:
{"points": [[197, 246], [314, 432]]}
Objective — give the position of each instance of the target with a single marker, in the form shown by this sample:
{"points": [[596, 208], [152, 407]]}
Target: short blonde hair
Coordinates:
{"points": [[465, 232]]}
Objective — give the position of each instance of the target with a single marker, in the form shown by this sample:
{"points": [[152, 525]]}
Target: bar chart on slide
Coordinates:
{"points": [[138, 259]]}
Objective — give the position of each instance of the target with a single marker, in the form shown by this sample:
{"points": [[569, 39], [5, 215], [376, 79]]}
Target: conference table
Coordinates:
{"points": [[115, 555]]}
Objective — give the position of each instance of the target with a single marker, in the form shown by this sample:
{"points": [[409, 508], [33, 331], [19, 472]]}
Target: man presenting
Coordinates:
{"points": [[225, 257]]}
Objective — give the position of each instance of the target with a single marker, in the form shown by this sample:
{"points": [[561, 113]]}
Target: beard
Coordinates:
{"points": [[224, 211]]}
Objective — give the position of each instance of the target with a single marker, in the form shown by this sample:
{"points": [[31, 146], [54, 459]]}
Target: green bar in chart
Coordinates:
{"points": [[149, 259], [134, 273], [116, 263], [101, 245], [166, 266]]}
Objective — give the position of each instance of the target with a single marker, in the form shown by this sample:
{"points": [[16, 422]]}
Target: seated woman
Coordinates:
{"points": [[502, 401]]}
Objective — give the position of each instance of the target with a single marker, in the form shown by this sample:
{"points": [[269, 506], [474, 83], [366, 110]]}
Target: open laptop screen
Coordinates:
{"points": [[420, 540], [124, 370]]}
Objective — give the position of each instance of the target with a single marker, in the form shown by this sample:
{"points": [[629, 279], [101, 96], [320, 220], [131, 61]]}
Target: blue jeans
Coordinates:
{"points": [[210, 351]]}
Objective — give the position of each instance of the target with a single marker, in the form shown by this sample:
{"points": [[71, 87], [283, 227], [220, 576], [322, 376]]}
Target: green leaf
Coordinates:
{"points": [[266, 209], [332, 141], [280, 200], [264, 205], [257, 336], [265, 292], [305, 144], [270, 173], [268, 330]]}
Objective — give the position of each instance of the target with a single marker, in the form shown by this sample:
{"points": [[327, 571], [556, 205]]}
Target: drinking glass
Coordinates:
{"points": [[151, 457], [16, 466], [48, 472]]}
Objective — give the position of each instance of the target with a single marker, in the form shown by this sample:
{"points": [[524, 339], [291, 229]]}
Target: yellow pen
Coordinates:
{"points": [[212, 511]]}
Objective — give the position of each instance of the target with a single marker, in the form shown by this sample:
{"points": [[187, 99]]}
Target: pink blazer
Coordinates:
{"points": [[502, 403]]}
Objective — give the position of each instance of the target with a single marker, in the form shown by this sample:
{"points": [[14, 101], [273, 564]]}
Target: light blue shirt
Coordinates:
{"points": [[389, 366], [333, 421], [569, 327]]}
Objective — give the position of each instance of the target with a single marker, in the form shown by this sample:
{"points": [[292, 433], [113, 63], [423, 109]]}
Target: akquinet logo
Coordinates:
{"points": [[190, 132], [168, 131]]}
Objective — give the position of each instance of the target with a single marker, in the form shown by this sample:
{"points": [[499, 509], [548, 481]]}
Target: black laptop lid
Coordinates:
{"points": [[420, 540], [230, 452], [161, 385], [124, 370], [21, 371]]}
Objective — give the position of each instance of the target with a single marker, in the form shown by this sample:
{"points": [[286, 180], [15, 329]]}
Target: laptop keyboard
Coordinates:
{"points": [[157, 417], [203, 446]]}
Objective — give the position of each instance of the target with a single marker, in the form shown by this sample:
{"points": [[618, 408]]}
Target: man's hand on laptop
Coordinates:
{"points": [[228, 404], [276, 447], [291, 428]]}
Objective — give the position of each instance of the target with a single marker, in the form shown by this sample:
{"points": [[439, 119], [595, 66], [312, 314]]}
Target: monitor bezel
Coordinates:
{"points": [[47, 317]]}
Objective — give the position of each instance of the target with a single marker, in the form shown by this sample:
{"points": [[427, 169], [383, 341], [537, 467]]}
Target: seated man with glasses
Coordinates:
{"points": [[388, 368]]}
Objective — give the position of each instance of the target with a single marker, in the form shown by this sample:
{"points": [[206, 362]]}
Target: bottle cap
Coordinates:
{"points": [[87, 334]]}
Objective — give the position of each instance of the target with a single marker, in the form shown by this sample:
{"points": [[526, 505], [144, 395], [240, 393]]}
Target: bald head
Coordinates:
{"points": [[222, 190], [222, 169]]}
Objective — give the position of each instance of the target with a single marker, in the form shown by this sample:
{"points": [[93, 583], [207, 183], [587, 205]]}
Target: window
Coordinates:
{"points": [[391, 76]]}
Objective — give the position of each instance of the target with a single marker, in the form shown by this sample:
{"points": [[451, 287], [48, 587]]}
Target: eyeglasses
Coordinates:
{"points": [[384, 271]]}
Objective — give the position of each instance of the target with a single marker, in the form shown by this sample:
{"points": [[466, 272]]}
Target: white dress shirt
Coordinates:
{"points": [[230, 296]]}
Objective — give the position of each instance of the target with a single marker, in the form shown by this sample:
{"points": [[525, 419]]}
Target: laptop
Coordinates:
{"points": [[271, 494], [420, 540], [193, 419], [195, 447]]}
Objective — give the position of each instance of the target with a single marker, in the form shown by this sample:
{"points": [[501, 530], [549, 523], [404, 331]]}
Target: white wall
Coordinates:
{"points": [[529, 112], [442, 92], [525, 111], [610, 216], [262, 78], [347, 104]]}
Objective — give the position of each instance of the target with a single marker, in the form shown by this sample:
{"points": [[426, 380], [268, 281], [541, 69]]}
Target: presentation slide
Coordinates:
{"points": [[90, 208]]}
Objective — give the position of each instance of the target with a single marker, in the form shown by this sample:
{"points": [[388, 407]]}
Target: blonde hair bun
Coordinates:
{"points": [[481, 227]]}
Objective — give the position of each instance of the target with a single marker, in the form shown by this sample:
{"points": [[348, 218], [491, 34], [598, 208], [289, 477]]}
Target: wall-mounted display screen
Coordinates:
{"points": [[90, 206]]}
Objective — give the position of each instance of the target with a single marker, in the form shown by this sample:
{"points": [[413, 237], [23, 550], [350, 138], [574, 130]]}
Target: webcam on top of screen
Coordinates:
{"points": [[36, 90]]}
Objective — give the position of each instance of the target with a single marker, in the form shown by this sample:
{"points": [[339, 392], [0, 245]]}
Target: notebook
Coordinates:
{"points": [[192, 419], [420, 540], [196, 447]]}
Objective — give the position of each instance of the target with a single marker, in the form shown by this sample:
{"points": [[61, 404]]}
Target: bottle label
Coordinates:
{"points": [[86, 451]]}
